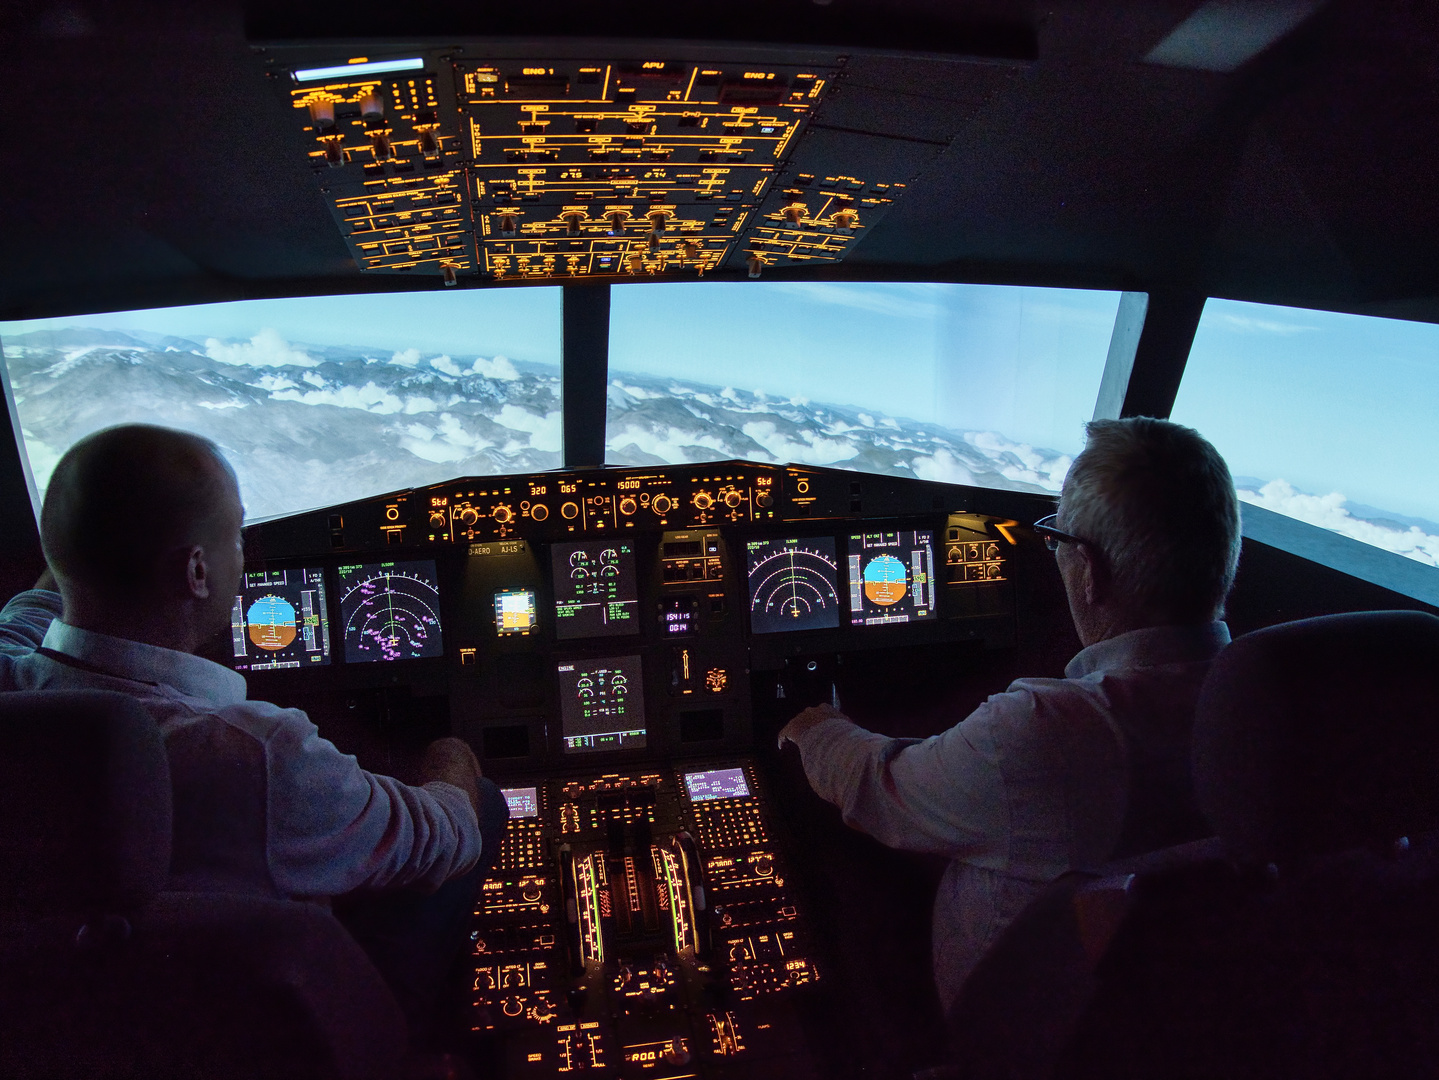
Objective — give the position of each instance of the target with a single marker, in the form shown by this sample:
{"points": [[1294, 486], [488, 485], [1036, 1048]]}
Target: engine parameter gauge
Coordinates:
{"points": [[792, 585], [390, 611]]}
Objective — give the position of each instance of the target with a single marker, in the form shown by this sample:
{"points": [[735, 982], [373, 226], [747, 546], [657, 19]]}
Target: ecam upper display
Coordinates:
{"points": [[596, 589]]}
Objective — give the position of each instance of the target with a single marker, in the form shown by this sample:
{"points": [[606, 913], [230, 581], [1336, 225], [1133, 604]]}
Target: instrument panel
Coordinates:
{"points": [[615, 613], [604, 639]]}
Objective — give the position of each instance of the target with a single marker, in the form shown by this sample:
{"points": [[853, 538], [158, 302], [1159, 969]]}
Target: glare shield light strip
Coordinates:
{"points": [[378, 67]]}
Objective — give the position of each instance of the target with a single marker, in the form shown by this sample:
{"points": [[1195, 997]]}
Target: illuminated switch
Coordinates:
{"points": [[691, 251], [755, 265], [658, 220], [509, 225], [371, 107], [636, 264], [322, 114], [467, 657], [573, 220], [380, 144], [794, 213], [617, 219]]}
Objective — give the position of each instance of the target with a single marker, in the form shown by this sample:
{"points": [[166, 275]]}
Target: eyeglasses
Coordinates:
{"points": [[1054, 537]]}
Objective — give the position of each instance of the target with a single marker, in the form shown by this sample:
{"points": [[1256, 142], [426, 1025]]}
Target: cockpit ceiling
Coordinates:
{"points": [[164, 154]]}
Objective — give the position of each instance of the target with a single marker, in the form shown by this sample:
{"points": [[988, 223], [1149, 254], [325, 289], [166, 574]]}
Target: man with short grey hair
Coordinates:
{"points": [[1057, 774]]}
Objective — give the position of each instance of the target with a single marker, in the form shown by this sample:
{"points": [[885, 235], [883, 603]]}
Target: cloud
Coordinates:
{"points": [[544, 430], [446, 365], [669, 444], [313, 379], [1329, 512], [369, 397], [498, 368], [810, 450], [446, 441], [271, 383], [406, 358], [222, 404], [265, 349], [943, 467]]}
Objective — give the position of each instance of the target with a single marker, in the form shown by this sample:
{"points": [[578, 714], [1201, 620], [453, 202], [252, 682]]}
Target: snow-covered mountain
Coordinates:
{"points": [[303, 425], [313, 425]]}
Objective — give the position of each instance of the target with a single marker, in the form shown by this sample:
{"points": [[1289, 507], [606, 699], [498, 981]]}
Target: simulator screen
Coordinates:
{"points": [[891, 577], [602, 704], [523, 801], [716, 784], [792, 585], [279, 621], [515, 614], [390, 611], [596, 590]]}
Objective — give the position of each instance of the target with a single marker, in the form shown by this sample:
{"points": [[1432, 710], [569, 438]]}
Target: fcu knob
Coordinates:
{"points": [[628, 506], [703, 500], [662, 504], [503, 514], [539, 512], [469, 515], [569, 511], [437, 519], [733, 499], [764, 499]]}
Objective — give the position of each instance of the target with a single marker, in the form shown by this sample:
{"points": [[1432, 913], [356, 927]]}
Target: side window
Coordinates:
{"points": [[1324, 417]]}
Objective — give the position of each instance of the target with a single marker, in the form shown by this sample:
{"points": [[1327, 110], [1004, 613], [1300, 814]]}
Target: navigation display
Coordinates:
{"points": [[792, 585], [522, 801], [278, 621], [596, 590], [602, 704], [716, 784], [515, 612], [891, 577], [390, 611]]}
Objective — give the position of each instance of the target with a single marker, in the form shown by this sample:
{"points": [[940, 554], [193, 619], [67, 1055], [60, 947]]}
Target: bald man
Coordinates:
{"points": [[141, 531]]}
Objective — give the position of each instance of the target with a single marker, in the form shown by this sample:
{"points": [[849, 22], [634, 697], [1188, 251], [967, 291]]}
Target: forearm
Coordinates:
{"points": [[451, 761], [25, 619]]}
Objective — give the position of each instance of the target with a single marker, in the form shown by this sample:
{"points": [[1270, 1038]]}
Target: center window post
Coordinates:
{"points": [[586, 348]]}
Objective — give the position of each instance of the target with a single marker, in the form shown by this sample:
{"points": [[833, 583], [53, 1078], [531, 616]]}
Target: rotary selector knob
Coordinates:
{"points": [[503, 514], [628, 506], [469, 515], [703, 500], [764, 866], [569, 511], [764, 499], [662, 504], [437, 519], [539, 512], [732, 499]]}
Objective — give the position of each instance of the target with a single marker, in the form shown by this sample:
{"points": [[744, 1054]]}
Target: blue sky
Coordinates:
{"points": [[1327, 401], [1022, 362], [523, 324]]}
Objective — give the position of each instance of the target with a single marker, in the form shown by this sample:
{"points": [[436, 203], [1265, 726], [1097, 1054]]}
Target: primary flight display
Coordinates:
{"points": [[278, 620], [891, 577]]}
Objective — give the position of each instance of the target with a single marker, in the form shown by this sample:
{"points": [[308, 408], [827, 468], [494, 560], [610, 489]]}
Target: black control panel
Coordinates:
{"points": [[616, 614], [642, 923]]}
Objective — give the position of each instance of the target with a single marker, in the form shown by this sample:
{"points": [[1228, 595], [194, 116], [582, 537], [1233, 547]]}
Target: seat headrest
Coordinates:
{"points": [[1321, 735], [85, 802]]}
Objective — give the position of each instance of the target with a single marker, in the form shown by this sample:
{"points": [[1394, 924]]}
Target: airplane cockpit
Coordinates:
{"points": [[607, 385]]}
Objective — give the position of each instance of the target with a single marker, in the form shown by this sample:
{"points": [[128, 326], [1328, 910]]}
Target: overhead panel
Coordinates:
{"points": [[638, 167], [382, 137], [462, 162]]}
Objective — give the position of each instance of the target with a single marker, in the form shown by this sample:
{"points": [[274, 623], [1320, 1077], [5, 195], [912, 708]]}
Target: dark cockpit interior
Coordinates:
{"points": [[608, 383]]}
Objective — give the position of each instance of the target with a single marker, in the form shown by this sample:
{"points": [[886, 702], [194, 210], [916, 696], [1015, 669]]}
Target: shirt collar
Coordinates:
{"points": [[192, 675], [1151, 647]]}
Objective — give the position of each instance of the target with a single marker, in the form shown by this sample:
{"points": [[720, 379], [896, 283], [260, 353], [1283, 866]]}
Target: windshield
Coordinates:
{"points": [[972, 384], [314, 400]]}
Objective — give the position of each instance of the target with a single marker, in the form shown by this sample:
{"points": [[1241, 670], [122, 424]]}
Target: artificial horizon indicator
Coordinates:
{"points": [[390, 611], [278, 620], [515, 612], [891, 577], [792, 585]]}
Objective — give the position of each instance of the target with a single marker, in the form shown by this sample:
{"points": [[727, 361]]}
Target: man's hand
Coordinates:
{"points": [[792, 731], [452, 761]]}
